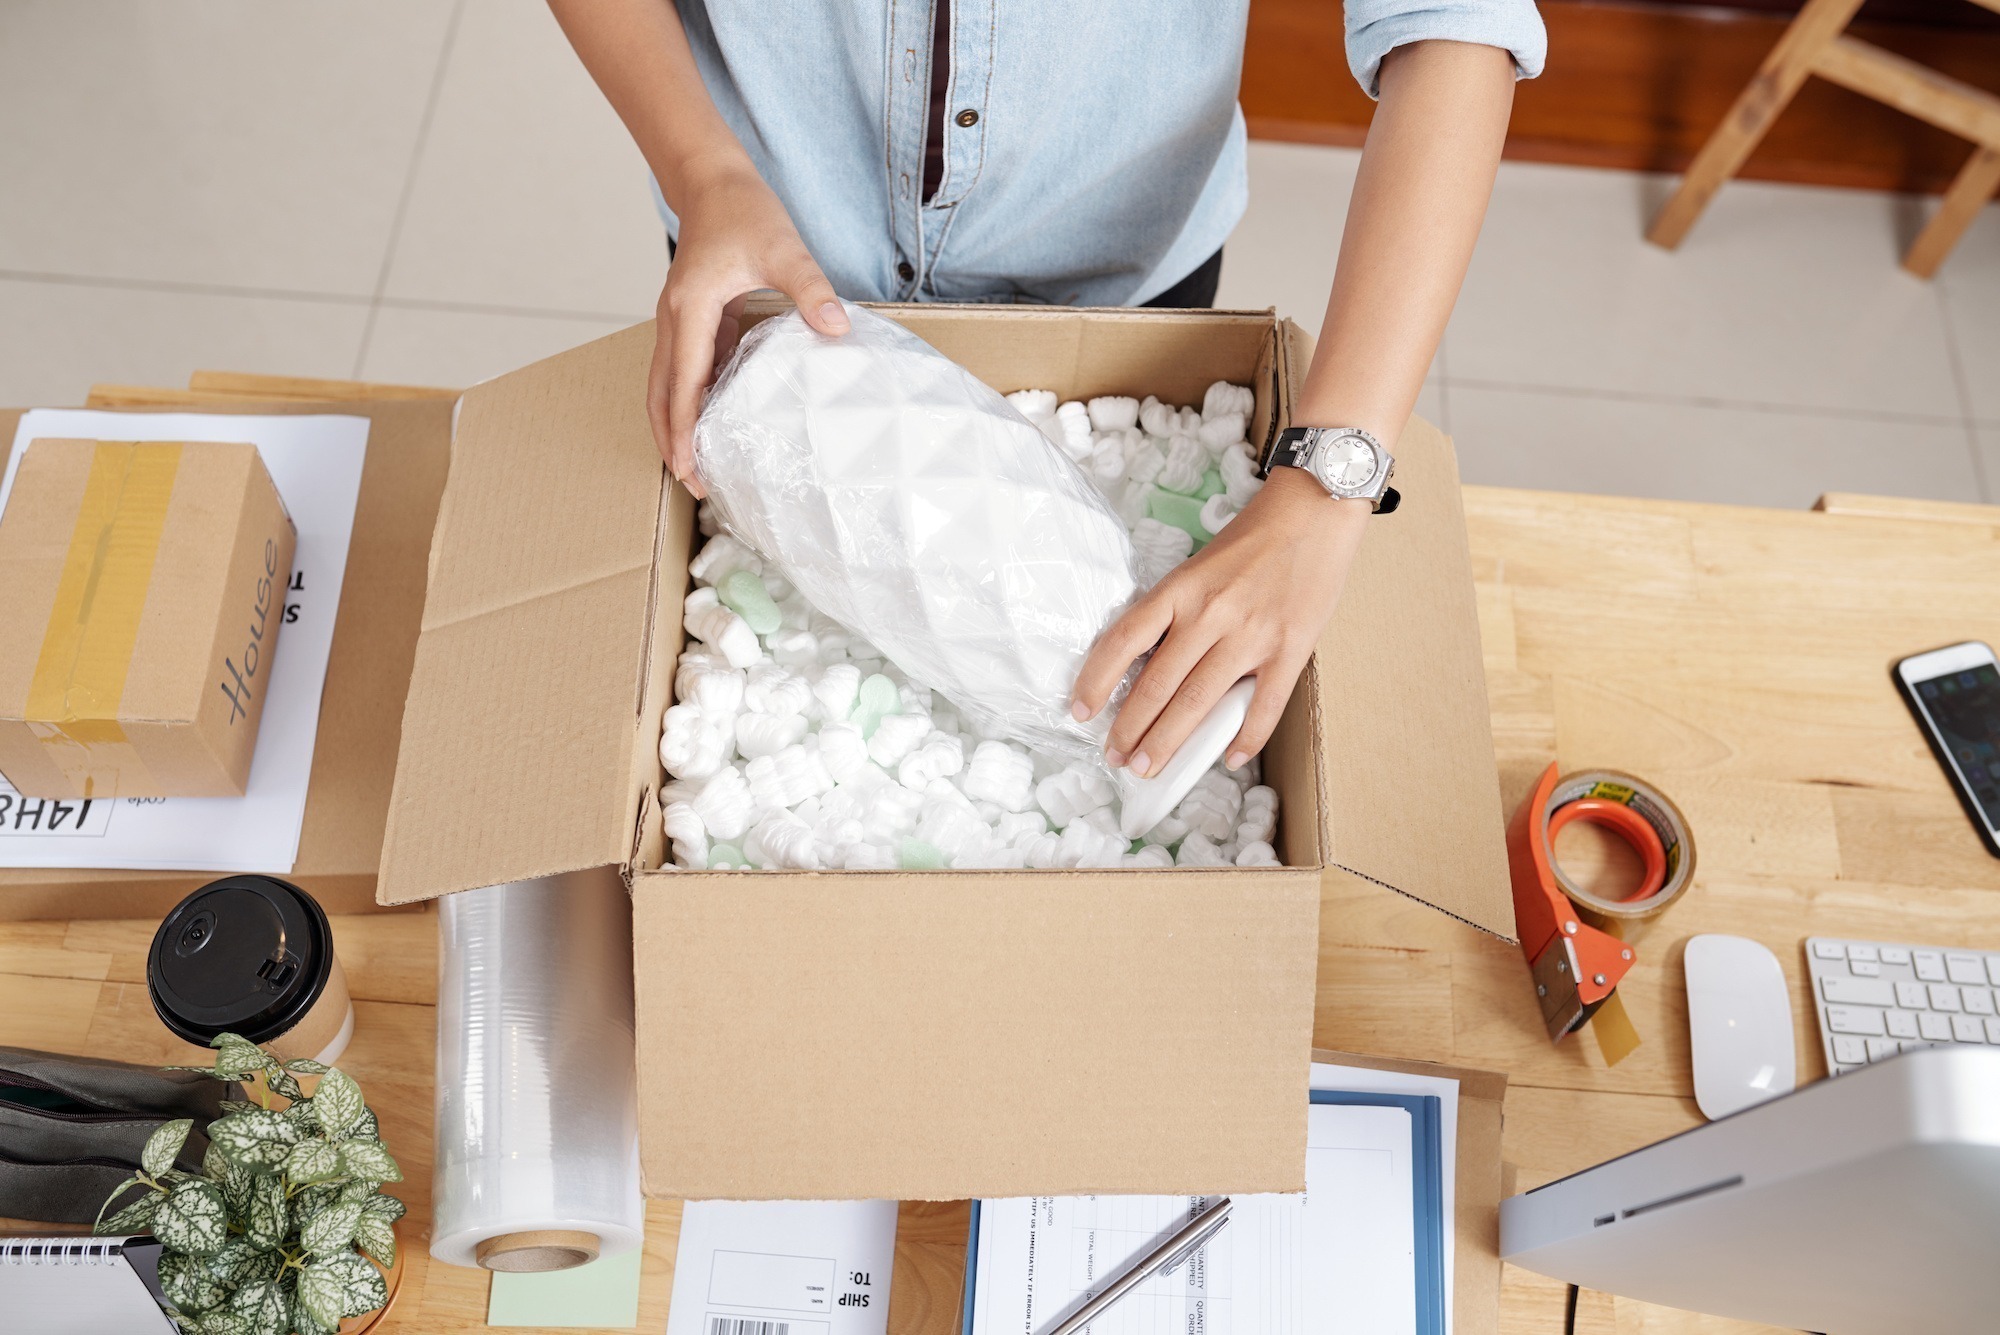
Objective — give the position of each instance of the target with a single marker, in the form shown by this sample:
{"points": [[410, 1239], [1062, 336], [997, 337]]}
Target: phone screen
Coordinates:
{"points": [[1964, 707]]}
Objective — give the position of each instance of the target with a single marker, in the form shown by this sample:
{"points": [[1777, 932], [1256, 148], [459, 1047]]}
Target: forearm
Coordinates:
{"points": [[638, 52], [1419, 197]]}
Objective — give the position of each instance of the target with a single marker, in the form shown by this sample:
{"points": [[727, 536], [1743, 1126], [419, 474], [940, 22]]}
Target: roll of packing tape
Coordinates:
{"points": [[1580, 944]]}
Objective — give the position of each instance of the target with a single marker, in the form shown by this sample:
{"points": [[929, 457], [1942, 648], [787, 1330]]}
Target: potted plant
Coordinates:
{"points": [[286, 1230]]}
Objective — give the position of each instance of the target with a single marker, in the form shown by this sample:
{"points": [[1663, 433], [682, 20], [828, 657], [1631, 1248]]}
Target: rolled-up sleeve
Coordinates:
{"points": [[1377, 27]]}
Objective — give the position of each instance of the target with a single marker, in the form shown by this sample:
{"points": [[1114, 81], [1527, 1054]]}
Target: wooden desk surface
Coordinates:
{"points": [[1738, 658]]}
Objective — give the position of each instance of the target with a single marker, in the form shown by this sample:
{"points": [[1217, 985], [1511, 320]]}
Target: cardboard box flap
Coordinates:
{"points": [[1412, 794], [520, 732]]}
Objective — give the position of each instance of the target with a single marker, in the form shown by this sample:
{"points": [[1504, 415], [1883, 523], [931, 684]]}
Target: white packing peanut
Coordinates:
{"points": [[689, 836], [1037, 405], [1239, 477], [722, 800], [1144, 461], [1001, 772], [781, 839], [721, 556], [786, 778], [1212, 806], [1015, 828], [843, 750], [1043, 851], [998, 857], [793, 648], [716, 691], [794, 612], [939, 756], [896, 736], [1113, 412], [692, 745], [1257, 853], [721, 629], [869, 857], [767, 734], [1216, 512], [953, 830], [1197, 850], [1071, 792], [1107, 457], [707, 520], [1187, 460], [692, 663], [1159, 547], [1162, 420], [892, 812], [1220, 433], [836, 690], [1152, 855], [1131, 503], [1170, 831], [916, 699], [1224, 398], [1085, 845], [1072, 431], [774, 689]]}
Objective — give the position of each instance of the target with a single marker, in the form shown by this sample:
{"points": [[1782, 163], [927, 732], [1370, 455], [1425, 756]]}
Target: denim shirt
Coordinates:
{"points": [[1094, 151]]}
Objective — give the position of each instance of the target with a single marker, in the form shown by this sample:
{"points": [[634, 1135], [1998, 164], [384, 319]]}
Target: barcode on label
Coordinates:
{"points": [[747, 1325]]}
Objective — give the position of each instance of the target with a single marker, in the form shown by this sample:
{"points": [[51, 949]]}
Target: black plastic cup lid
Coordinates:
{"points": [[247, 955]]}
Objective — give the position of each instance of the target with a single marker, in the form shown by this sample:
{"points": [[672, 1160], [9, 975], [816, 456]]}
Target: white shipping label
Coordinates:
{"points": [[783, 1268]]}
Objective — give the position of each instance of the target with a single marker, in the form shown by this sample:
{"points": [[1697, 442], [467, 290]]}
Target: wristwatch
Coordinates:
{"points": [[1349, 462]]}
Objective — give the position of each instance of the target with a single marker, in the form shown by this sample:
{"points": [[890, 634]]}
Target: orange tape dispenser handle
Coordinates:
{"points": [[1575, 966]]}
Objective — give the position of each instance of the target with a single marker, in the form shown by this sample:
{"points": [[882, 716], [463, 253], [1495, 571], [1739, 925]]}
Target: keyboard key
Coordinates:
{"points": [[1993, 970], [1901, 955], [1929, 965], [1913, 996], [1978, 1001], [1935, 1027], [1965, 968], [1829, 950], [1901, 1024], [1992, 1030], [1865, 969], [1849, 1050], [1858, 991], [1944, 997], [1878, 1048], [1854, 1020], [1968, 1029], [1859, 953]]}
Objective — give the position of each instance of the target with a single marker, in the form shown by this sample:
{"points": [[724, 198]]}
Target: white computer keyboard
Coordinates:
{"points": [[1875, 1000]]}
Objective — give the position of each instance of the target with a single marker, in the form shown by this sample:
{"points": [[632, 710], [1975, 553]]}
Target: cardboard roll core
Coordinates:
{"points": [[539, 1250]]}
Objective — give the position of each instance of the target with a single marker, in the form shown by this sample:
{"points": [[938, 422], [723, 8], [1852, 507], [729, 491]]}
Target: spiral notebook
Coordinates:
{"points": [[81, 1286]]}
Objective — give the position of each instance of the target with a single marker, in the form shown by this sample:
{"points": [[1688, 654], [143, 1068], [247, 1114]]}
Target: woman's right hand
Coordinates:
{"points": [[736, 238]]}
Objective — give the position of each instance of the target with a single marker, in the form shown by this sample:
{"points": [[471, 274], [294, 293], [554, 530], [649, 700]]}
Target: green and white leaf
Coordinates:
{"points": [[193, 1219], [164, 1145], [338, 1103], [367, 1158], [235, 1183], [185, 1282], [283, 1084], [264, 1305], [305, 1066], [331, 1230], [312, 1161], [367, 1128], [341, 1286], [258, 1141], [223, 1323], [376, 1235], [304, 1116], [240, 1261], [134, 1218], [305, 1323], [236, 1056], [269, 1217], [388, 1207]]}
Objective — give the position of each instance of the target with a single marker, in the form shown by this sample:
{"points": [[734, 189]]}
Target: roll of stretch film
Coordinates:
{"points": [[1580, 945], [537, 1123]]}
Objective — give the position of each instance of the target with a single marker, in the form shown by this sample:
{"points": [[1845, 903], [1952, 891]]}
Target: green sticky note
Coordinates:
{"points": [[603, 1294]]}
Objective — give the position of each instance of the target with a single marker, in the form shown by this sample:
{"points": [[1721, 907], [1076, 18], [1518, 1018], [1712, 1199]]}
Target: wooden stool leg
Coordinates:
{"points": [[1975, 184], [1767, 94]]}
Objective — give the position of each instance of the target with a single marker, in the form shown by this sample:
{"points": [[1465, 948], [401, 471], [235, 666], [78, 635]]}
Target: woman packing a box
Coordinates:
{"points": [[1087, 154]]}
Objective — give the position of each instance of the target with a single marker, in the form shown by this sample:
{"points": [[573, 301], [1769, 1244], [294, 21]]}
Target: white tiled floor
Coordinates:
{"points": [[432, 191]]}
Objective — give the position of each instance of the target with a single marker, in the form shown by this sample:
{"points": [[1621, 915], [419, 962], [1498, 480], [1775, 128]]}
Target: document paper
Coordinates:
{"points": [[1340, 1258], [315, 462], [783, 1268]]}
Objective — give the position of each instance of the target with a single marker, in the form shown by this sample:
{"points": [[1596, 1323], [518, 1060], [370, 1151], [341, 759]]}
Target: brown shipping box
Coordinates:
{"points": [[375, 634], [931, 1035], [140, 594]]}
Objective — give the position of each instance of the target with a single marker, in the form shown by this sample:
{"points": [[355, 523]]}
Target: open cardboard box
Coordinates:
{"points": [[360, 717], [930, 1035]]}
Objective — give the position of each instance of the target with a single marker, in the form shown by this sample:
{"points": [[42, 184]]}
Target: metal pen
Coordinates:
{"points": [[1162, 1260]]}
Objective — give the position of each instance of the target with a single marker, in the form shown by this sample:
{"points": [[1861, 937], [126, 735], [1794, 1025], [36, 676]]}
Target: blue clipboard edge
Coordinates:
{"points": [[1427, 1204]]}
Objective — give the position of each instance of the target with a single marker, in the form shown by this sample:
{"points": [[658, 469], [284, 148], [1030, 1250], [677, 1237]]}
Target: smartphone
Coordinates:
{"points": [[1955, 694]]}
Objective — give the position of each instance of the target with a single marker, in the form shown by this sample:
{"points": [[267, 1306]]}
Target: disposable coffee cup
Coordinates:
{"points": [[252, 955]]}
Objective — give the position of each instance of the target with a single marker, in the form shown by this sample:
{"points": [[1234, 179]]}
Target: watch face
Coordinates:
{"points": [[1346, 464]]}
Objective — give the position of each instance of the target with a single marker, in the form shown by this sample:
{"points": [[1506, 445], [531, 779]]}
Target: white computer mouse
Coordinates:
{"points": [[1740, 1024]]}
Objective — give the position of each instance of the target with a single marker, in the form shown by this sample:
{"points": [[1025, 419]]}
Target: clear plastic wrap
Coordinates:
{"points": [[537, 1120], [911, 503]]}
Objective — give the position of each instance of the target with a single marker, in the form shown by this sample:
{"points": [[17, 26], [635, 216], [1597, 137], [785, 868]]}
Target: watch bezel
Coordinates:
{"points": [[1319, 462]]}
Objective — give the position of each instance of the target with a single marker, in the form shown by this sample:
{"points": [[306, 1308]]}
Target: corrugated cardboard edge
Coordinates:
{"points": [[1475, 1300], [1434, 831]]}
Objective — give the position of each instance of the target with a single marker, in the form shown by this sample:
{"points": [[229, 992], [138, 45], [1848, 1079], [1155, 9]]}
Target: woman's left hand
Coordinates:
{"points": [[1252, 602]]}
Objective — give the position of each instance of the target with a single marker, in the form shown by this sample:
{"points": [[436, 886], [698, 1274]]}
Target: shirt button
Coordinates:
{"points": [[968, 118], [905, 272]]}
